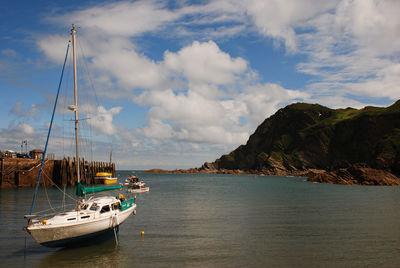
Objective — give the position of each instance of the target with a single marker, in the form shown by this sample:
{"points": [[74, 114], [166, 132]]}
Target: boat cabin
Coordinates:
{"points": [[36, 154], [91, 209]]}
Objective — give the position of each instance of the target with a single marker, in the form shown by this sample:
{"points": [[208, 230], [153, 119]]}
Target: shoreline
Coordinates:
{"points": [[353, 175]]}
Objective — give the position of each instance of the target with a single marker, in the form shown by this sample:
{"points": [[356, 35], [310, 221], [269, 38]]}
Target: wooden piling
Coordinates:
{"points": [[24, 172]]}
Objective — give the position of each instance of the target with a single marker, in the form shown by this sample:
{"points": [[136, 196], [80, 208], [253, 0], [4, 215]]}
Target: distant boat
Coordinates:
{"points": [[105, 178], [93, 217], [135, 185], [137, 189], [133, 180]]}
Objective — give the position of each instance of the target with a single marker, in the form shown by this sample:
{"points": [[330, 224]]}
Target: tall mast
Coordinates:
{"points": [[73, 32]]}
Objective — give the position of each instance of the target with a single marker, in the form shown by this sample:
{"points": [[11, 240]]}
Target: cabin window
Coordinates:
{"points": [[85, 217], [105, 209], [94, 207], [71, 219], [116, 206], [85, 206]]}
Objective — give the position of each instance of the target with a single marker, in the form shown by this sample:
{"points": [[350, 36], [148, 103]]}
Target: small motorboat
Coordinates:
{"points": [[133, 180], [137, 189], [105, 178]]}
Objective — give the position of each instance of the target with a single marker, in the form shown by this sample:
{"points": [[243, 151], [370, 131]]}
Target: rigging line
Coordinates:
{"points": [[48, 134], [65, 97], [45, 189], [63, 201], [90, 78], [58, 188], [95, 95], [44, 213], [88, 73]]}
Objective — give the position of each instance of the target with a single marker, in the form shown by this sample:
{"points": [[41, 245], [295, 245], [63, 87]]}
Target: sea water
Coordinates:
{"points": [[205, 220]]}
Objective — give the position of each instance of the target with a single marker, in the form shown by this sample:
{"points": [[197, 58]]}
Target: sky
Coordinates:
{"points": [[173, 84]]}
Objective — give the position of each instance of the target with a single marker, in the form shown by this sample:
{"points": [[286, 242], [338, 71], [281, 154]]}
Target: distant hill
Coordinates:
{"points": [[334, 145]]}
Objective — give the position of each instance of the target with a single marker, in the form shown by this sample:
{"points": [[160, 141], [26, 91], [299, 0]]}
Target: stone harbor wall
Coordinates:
{"points": [[22, 172]]}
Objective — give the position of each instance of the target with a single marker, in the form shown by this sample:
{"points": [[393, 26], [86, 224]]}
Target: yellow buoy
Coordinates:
{"points": [[44, 221], [142, 233]]}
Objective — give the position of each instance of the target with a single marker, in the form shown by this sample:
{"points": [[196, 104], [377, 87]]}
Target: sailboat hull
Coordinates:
{"points": [[64, 235], [83, 240]]}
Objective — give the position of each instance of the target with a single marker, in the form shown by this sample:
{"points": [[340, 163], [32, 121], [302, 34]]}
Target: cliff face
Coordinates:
{"points": [[304, 136]]}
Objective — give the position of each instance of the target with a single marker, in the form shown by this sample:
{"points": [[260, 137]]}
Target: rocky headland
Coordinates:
{"points": [[342, 146]]}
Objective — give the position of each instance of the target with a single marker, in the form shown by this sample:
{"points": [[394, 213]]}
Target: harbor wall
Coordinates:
{"points": [[22, 172]]}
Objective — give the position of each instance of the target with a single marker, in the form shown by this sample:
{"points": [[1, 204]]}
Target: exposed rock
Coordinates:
{"points": [[157, 170], [355, 175], [208, 166], [349, 145], [344, 146]]}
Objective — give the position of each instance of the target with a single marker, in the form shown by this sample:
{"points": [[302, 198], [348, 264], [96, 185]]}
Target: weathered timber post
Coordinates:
{"points": [[16, 178], [64, 172], [2, 171]]}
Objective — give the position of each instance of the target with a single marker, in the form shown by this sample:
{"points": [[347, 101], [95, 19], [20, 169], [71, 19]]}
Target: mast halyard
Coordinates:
{"points": [[73, 32]]}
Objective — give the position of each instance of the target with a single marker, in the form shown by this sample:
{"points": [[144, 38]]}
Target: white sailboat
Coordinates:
{"points": [[93, 217]]}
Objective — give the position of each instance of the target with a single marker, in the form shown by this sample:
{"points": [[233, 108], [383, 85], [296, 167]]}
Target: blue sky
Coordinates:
{"points": [[178, 83]]}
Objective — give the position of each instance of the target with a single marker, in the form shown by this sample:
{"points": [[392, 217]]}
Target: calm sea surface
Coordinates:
{"points": [[197, 220]]}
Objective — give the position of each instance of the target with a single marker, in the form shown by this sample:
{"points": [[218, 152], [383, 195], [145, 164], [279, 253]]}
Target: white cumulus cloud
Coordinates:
{"points": [[101, 119], [205, 63], [197, 93], [25, 129]]}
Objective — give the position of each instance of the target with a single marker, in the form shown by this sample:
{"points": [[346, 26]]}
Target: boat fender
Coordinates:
{"points": [[44, 222], [115, 220]]}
